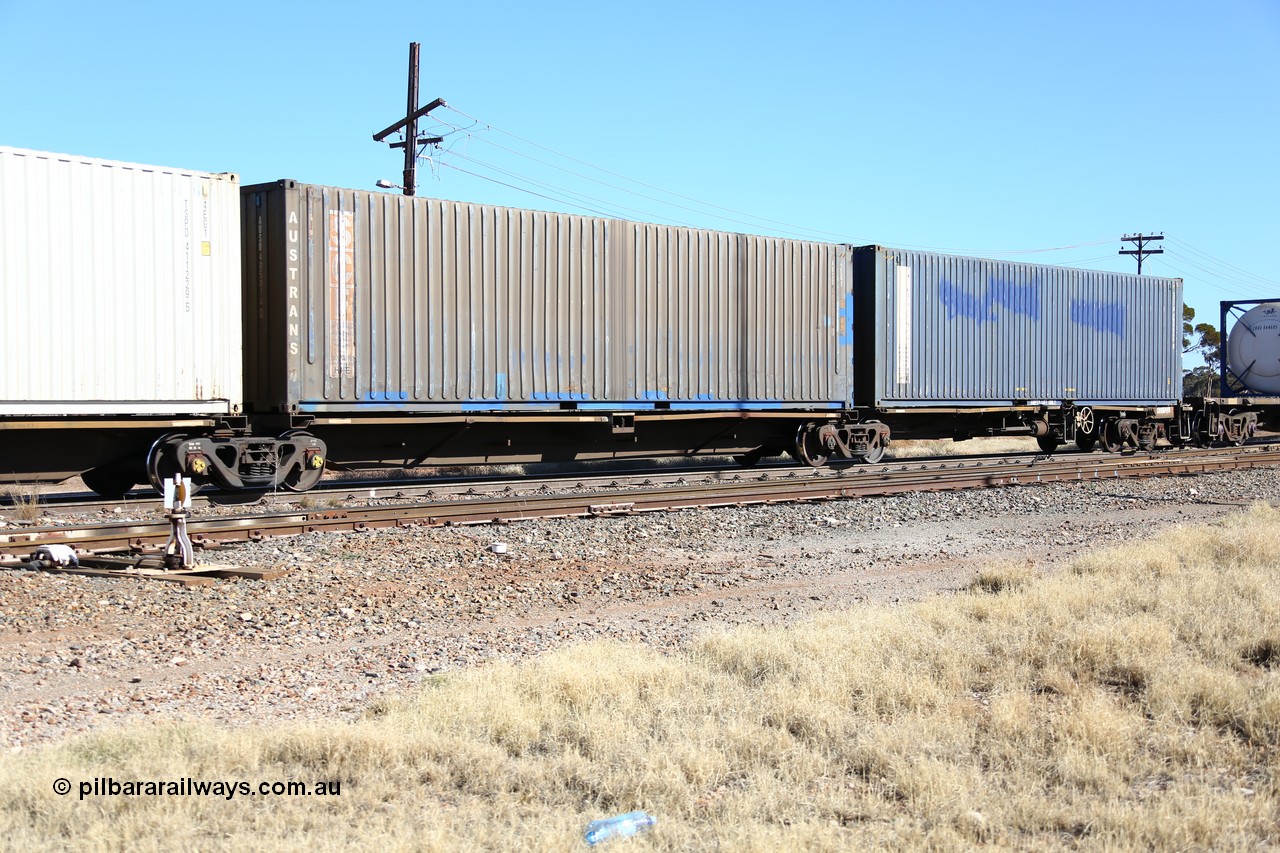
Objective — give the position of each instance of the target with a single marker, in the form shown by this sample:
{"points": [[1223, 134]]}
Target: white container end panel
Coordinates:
{"points": [[119, 288]]}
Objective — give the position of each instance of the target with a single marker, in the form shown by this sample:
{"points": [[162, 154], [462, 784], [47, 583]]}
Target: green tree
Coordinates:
{"points": [[1200, 381], [1203, 338]]}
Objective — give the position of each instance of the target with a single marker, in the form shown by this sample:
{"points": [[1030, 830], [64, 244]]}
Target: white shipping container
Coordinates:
{"points": [[119, 288]]}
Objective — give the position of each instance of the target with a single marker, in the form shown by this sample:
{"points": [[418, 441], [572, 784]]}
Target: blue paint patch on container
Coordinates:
{"points": [[1015, 297], [558, 397], [845, 316], [1103, 316], [627, 406]]}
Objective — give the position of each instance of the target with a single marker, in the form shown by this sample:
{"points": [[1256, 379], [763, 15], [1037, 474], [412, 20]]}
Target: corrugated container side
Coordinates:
{"points": [[390, 303], [941, 329], [718, 317], [120, 287]]}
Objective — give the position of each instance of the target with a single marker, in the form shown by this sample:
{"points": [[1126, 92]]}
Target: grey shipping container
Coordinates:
{"points": [[942, 330], [362, 301]]}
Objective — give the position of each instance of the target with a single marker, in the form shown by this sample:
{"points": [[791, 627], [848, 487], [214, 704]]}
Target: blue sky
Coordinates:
{"points": [[980, 128]]}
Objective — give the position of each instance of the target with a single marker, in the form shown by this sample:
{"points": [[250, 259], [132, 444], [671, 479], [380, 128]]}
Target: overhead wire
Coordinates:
{"points": [[806, 234], [1219, 275], [571, 158], [791, 228], [1078, 262], [1260, 279], [1160, 260], [604, 207], [550, 186], [613, 207], [523, 189]]}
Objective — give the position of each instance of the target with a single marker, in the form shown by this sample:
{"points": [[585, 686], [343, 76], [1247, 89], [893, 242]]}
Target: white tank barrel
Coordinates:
{"points": [[1253, 348]]}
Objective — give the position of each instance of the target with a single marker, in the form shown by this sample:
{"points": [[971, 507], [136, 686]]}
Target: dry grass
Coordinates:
{"points": [[1131, 701], [24, 500], [393, 473], [947, 447]]}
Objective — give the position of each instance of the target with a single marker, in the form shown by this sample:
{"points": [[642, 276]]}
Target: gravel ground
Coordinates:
{"points": [[362, 614]]}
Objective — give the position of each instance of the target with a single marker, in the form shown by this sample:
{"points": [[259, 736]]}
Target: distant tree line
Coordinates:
{"points": [[1203, 338]]}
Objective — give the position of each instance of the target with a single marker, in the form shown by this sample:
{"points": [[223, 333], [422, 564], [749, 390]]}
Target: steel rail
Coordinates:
{"points": [[427, 487], [470, 485], [473, 485], [860, 481]]}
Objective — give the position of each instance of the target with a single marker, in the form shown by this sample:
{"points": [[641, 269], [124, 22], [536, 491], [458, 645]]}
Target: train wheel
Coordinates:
{"points": [[1198, 437], [875, 451], [1086, 429], [808, 449], [1047, 443], [1085, 421], [110, 483], [1110, 435], [302, 478], [304, 475], [1239, 440], [162, 463]]}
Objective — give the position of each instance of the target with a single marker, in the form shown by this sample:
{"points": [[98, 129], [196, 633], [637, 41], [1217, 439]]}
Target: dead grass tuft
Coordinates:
{"points": [[1264, 653], [25, 500], [1001, 577], [1128, 703], [946, 447]]}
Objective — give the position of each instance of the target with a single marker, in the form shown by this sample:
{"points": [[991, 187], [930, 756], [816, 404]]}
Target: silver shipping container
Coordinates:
{"points": [[120, 288], [368, 301], [941, 330]]}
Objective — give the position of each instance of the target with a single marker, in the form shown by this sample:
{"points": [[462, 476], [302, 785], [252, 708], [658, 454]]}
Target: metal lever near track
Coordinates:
{"points": [[178, 551], [175, 563]]}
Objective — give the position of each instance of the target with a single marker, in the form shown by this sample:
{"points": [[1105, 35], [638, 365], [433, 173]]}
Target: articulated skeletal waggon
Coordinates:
{"points": [[168, 321]]}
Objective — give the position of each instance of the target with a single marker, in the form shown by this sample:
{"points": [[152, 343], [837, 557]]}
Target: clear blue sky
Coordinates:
{"points": [[977, 127]]}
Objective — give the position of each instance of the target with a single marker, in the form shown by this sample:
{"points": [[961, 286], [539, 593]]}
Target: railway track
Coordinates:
{"points": [[748, 487], [428, 488], [469, 486]]}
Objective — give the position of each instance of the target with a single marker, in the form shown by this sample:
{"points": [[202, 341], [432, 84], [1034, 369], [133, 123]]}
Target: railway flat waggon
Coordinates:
{"points": [[120, 285], [406, 330], [256, 336], [972, 346], [1249, 373]]}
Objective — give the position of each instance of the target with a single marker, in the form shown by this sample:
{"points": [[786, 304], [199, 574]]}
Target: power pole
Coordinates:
{"points": [[1141, 240], [410, 125]]}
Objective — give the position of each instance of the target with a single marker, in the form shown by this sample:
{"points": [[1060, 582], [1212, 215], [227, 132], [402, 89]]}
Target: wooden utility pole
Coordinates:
{"points": [[409, 124], [1141, 240]]}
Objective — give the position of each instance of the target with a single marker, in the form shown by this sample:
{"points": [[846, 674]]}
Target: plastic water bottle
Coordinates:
{"points": [[618, 827]]}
